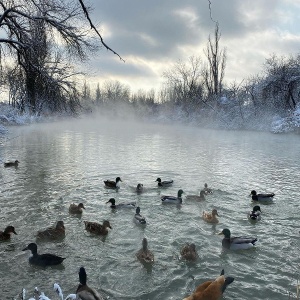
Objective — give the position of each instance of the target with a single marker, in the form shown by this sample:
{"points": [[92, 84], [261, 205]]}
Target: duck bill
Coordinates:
{"points": [[14, 232], [25, 249], [110, 227], [220, 233]]}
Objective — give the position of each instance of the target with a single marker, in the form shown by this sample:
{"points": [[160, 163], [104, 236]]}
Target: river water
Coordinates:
{"points": [[68, 161]]}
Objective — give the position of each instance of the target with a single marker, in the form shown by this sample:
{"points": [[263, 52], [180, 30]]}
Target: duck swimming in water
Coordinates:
{"points": [[138, 218], [76, 208], [52, 233], [254, 215], [6, 234], [84, 292], [97, 228], [200, 197], [121, 205], [212, 289], [11, 164], [173, 199], [164, 183], [262, 197], [144, 255], [236, 243], [210, 217], [189, 252], [42, 260], [113, 184]]}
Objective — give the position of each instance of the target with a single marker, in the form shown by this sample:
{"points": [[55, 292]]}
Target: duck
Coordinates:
{"points": [[113, 184], [76, 208], [84, 292], [120, 205], [144, 255], [254, 215], [97, 228], [138, 218], [42, 260], [189, 252], [210, 217], [139, 188], [164, 183], [200, 197], [6, 234], [236, 243], [173, 199], [11, 164], [52, 233], [262, 197], [207, 190], [212, 289]]}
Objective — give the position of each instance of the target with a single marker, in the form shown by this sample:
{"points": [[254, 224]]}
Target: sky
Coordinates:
{"points": [[152, 36]]}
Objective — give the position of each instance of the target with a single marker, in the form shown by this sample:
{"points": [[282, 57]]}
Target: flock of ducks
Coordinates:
{"points": [[210, 290]]}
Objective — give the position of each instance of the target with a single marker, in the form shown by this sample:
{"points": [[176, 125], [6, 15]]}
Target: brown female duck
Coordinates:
{"points": [[210, 217], [189, 252], [97, 228], [76, 209], [52, 233], [144, 255]]}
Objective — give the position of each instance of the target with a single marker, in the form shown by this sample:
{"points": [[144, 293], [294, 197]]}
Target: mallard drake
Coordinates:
{"points": [[76, 209], [5, 235], [189, 252], [120, 205], [113, 184], [207, 190], [164, 183], [173, 199], [139, 188], [262, 197], [11, 164], [200, 197], [212, 289], [52, 233], [84, 292], [236, 243], [210, 217], [138, 218], [97, 228], [42, 260], [144, 255], [254, 215]]}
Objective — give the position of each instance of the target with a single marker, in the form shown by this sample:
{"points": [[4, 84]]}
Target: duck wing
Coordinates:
{"points": [[243, 240]]}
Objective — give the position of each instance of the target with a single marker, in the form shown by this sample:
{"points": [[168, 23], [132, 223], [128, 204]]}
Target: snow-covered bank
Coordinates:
{"points": [[229, 120]]}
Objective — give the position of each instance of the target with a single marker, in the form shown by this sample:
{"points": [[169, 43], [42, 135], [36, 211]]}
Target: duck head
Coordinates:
{"points": [[158, 180], [256, 208], [214, 212], [138, 210], [60, 225], [32, 247], [10, 229], [226, 232], [82, 276], [118, 179], [106, 224], [112, 201], [145, 244], [179, 194], [80, 205], [139, 187], [253, 193]]}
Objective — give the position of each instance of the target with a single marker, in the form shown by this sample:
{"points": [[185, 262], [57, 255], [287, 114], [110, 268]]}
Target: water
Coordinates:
{"points": [[68, 162]]}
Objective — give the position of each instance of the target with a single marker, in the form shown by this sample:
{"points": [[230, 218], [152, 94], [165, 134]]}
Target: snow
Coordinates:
{"points": [[227, 119]]}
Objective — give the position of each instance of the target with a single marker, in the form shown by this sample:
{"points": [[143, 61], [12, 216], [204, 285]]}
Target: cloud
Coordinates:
{"points": [[151, 35]]}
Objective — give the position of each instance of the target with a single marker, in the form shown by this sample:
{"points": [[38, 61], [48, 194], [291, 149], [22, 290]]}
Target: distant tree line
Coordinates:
{"points": [[42, 40]]}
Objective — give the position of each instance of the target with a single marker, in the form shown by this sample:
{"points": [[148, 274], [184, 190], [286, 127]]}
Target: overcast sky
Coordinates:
{"points": [[152, 35]]}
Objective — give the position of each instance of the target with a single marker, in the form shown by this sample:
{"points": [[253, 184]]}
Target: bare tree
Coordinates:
{"points": [[43, 37], [214, 73]]}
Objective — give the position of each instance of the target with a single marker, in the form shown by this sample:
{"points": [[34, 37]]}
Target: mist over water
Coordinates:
{"points": [[68, 161]]}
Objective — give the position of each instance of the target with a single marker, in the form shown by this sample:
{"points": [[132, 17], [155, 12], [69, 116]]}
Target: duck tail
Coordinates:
{"points": [[228, 280]]}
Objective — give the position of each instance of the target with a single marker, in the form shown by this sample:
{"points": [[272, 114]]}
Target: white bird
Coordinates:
{"points": [[138, 218]]}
